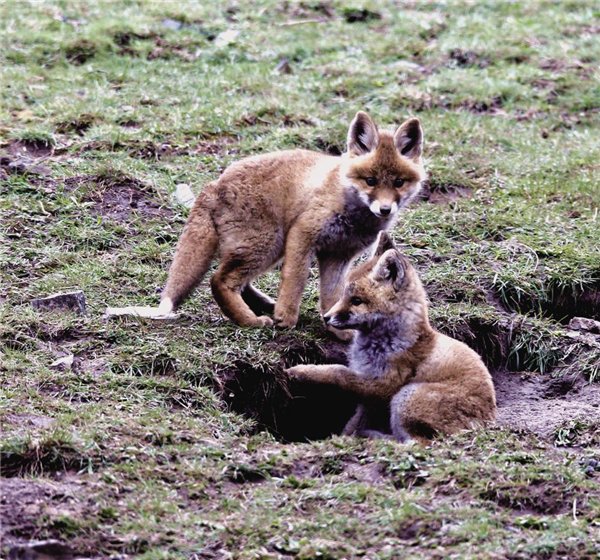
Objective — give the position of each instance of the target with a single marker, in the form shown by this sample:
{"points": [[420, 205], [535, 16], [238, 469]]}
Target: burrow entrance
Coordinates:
{"points": [[290, 411], [295, 412]]}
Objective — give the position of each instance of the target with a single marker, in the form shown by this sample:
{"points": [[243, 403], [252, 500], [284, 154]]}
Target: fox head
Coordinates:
{"points": [[383, 288], [382, 168]]}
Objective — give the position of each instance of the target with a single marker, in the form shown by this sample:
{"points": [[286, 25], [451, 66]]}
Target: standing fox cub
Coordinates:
{"points": [[294, 205], [426, 383]]}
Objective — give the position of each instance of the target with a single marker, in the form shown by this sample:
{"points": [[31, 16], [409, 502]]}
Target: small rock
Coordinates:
{"points": [[283, 67], [41, 550], [409, 65], [184, 195], [70, 301], [141, 312], [226, 37], [172, 24], [584, 324], [66, 361]]}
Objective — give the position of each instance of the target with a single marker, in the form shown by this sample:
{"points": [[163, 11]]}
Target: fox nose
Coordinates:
{"points": [[326, 318], [385, 210]]}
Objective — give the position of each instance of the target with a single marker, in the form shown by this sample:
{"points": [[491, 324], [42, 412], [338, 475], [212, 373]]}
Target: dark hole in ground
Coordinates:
{"points": [[561, 304], [78, 125], [356, 15], [467, 58], [491, 340], [80, 52], [290, 411]]}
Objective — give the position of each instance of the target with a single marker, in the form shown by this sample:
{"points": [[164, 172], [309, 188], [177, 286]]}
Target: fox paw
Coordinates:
{"points": [[301, 373], [285, 320], [263, 321]]}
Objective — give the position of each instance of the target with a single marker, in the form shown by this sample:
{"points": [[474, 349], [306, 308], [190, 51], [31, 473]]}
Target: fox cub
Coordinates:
{"points": [[294, 205], [424, 382]]}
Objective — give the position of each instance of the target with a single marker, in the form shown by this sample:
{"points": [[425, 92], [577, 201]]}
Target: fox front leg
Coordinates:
{"points": [[380, 387], [294, 276], [332, 273], [318, 374]]}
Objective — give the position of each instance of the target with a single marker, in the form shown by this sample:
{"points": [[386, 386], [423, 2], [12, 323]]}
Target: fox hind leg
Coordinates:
{"points": [[357, 422], [226, 287], [398, 412], [243, 259], [257, 301]]}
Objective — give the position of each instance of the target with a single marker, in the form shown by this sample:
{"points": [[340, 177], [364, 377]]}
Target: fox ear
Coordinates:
{"points": [[362, 135], [389, 268], [408, 139], [383, 244]]}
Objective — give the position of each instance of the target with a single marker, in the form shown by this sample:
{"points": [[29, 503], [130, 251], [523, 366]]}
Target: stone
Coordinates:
{"points": [[184, 195], [140, 312], [41, 550], [283, 67], [68, 301], [65, 361]]}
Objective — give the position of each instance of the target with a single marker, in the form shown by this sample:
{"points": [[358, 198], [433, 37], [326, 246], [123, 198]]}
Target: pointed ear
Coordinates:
{"points": [[389, 268], [362, 135], [383, 244], [408, 139]]}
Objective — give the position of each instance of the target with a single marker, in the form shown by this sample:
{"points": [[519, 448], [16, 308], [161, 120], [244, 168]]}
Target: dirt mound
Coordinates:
{"points": [[24, 501], [118, 196], [31, 148], [24, 157], [543, 404]]}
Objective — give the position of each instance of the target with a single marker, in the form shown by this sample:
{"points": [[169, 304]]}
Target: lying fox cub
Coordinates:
{"points": [[431, 383], [295, 205]]}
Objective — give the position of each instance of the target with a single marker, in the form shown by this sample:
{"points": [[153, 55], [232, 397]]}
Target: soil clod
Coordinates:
{"points": [[41, 550], [585, 324]]}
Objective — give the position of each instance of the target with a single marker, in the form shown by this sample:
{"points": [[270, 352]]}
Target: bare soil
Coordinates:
{"points": [[541, 404], [119, 196], [23, 502], [437, 193]]}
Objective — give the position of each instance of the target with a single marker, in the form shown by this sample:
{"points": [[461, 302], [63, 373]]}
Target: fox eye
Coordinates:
{"points": [[398, 183], [371, 181], [355, 301]]}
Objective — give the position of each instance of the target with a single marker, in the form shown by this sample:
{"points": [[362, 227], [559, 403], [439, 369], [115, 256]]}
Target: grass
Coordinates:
{"points": [[140, 448]]}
